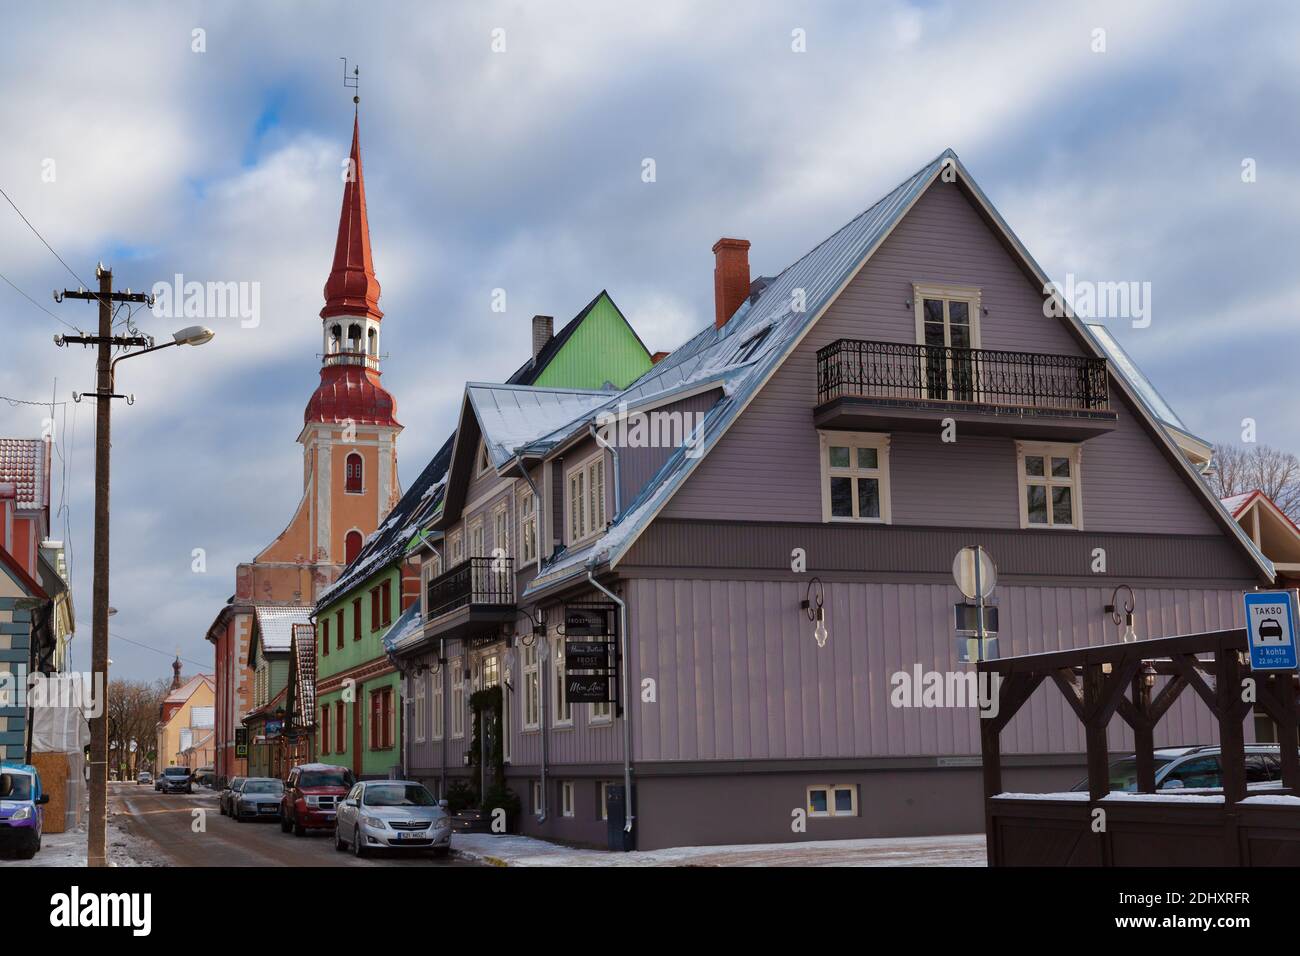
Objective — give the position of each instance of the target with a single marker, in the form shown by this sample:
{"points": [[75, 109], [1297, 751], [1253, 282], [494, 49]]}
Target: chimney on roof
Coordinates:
{"points": [[730, 278], [543, 331], [658, 357]]}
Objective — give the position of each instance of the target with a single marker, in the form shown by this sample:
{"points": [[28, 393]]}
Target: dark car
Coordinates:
{"points": [[227, 797], [257, 799], [1196, 768], [312, 795], [176, 780], [1270, 630]]}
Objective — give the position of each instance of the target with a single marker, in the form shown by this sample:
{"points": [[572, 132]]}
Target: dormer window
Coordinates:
{"points": [[354, 473], [483, 463]]}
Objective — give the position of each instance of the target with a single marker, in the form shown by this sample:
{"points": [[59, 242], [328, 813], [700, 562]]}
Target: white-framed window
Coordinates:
{"points": [[833, 800], [602, 712], [601, 788], [418, 713], [501, 530], [537, 796], [948, 324], [532, 686], [489, 672], [855, 477], [457, 698], [476, 543], [562, 712], [528, 525], [584, 498], [430, 568], [483, 463], [455, 548], [566, 798], [1050, 487], [436, 713]]}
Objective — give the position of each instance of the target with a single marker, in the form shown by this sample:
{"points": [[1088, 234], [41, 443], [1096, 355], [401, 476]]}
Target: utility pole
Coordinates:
{"points": [[96, 852]]}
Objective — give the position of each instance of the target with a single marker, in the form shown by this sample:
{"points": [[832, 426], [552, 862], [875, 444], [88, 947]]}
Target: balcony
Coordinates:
{"points": [[475, 597], [895, 386]]}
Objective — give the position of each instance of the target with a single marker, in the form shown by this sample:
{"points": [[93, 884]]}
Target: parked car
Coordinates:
{"points": [[22, 809], [176, 780], [226, 798], [311, 796], [1196, 768], [400, 814], [258, 799], [144, 776], [205, 777]]}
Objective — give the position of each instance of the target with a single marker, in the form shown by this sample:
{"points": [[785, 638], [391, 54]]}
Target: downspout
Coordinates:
{"points": [[627, 723], [446, 729], [618, 485], [541, 719]]}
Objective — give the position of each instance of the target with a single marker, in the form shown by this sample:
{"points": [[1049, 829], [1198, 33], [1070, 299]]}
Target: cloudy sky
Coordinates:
{"points": [[132, 139]]}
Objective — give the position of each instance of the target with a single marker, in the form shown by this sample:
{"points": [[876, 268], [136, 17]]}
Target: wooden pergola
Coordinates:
{"points": [[1099, 682]]}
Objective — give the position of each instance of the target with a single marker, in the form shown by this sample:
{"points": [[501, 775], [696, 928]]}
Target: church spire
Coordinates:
{"points": [[352, 289]]}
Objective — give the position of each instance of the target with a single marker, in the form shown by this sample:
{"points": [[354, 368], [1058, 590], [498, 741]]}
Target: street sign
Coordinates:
{"points": [[241, 741], [966, 619], [972, 564], [1270, 628]]}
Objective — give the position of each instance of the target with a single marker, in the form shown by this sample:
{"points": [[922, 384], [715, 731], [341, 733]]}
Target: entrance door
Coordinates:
{"points": [[358, 719]]}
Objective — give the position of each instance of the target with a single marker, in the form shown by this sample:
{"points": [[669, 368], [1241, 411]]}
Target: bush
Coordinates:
{"points": [[461, 796]]}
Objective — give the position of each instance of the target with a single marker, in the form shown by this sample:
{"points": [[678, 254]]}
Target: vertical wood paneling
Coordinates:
{"points": [[741, 678]]}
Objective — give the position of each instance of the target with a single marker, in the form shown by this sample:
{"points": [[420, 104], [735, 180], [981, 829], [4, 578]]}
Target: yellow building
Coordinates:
{"points": [[185, 723]]}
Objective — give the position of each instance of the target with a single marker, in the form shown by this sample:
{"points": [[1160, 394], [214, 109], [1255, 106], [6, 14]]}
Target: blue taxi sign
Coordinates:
{"points": [[1270, 628]]}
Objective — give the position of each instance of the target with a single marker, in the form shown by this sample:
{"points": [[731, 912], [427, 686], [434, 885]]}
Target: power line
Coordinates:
{"points": [[42, 238], [24, 401], [37, 304], [150, 647]]}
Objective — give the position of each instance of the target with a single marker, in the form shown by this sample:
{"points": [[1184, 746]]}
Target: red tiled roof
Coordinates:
{"points": [[23, 462]]}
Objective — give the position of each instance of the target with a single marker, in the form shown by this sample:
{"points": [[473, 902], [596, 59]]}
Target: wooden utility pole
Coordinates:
{"points": [[96, 851]]}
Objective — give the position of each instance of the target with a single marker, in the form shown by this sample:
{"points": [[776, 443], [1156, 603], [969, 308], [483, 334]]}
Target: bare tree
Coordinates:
{"points": [[1238, 470], [133, 711]]}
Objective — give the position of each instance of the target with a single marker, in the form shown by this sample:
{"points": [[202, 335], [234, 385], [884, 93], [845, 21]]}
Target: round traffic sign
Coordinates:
{"points": [[963, 572]]}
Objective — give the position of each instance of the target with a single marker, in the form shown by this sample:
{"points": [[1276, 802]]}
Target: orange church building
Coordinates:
{"points": [[350, 483]]}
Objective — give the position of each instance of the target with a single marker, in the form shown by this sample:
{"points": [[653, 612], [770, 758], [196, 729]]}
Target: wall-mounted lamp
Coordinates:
{"points": [[814, 608], [1129, 633], [538, 621], [1148, 675]]}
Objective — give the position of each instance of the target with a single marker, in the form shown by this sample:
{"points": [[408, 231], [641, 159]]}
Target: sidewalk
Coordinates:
{"points": [[69, 849], [960, 850]]}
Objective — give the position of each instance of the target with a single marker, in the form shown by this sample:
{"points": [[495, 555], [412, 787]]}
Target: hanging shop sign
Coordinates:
{"points": [[589, 620], [241, 741]]}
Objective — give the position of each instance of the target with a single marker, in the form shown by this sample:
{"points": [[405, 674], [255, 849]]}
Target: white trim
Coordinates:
{"points": [[591, 525], [558, 718], [531, 664], [877, 440], [1048, 451], [567, 803], [458, 689], [949, 293], [436, 728]]}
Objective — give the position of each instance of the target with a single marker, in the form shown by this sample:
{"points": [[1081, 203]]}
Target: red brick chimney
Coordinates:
{"points": [[730, 278]]}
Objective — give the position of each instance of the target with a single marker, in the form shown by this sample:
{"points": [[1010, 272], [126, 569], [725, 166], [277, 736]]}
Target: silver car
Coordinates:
{"points": [[257, 799], [226, 799], [400, 814]]}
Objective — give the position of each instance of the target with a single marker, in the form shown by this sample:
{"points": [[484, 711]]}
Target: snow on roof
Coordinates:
{"points": [[511, 416], [276, 625], [407, 629], [1236, 503], [1125, 365]]}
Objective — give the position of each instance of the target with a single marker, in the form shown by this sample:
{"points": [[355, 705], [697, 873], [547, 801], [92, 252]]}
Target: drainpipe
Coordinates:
{"points": [[541, 714], [627, 701], [613, 450], [446, 729]]}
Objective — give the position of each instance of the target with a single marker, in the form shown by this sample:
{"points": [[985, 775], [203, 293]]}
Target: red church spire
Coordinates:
{"points": [[352, 288]]}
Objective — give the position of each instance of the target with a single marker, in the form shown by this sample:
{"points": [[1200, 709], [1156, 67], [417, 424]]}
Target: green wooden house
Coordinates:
{"points": [[357, 702], [269, 659]]}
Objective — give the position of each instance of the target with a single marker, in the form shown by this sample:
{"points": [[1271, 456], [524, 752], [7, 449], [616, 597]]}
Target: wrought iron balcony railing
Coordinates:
{"points": [[485, 582], [852, 368]]}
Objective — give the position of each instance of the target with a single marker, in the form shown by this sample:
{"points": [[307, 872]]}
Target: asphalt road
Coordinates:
{"points": [[160, 829]]}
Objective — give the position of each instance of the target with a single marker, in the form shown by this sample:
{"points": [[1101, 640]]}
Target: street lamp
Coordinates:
{"points": [[105, 367]]}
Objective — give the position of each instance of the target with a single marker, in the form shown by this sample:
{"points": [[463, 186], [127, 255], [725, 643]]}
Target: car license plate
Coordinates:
{"points": [[406, 836], [329, 814]]}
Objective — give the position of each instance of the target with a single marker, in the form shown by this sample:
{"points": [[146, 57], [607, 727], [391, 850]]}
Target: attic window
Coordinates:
{"points": [[483, 463]]}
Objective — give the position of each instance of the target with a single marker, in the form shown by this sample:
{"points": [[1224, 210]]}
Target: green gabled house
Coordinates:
{"points": [[270, 647], [358, 702]]}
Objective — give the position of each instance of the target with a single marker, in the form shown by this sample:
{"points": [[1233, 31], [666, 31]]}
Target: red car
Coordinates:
{"points": [[311, 797]]}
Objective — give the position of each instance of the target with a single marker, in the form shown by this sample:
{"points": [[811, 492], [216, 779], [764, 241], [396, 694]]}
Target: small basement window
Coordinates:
{"points": [[833, 800]]}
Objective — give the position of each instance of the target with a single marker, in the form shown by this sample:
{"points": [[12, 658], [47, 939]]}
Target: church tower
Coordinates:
{"points": [[349, 433]]}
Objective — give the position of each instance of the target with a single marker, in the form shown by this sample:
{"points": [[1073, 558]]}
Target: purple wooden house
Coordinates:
{"points": [[905, 389]]}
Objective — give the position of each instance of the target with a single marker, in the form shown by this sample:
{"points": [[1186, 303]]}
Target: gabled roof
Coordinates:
{"points": [[303, 676], [530, 371], [1278, 536], [186, 690], [25, 580], [510, 416], [275, 626], [720, 355]]}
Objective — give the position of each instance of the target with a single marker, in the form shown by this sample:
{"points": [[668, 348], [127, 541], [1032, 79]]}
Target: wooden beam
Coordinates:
{"points": [[1232, 751], [1186, 664]]}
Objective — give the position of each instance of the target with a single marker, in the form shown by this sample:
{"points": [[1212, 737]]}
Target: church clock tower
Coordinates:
{"points": [[349, 433]]}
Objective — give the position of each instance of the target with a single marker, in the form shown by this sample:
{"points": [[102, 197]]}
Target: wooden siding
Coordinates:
{"points": [[768, 463], [739, 676]]}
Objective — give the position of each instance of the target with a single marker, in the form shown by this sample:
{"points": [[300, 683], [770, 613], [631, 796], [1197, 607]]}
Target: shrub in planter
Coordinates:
{"points": [[461, 796]]}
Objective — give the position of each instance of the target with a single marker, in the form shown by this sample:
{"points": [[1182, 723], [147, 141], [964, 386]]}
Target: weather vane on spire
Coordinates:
{"points": [[352, 82]]}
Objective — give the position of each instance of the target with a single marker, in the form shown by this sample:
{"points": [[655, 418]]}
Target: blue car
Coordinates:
{"points": [[22, 808]]}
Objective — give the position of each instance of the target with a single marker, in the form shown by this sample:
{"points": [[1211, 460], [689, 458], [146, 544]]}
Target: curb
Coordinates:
{"points": [[479, 857]]}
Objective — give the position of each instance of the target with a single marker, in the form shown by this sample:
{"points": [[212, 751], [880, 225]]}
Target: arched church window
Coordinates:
{"points": [[372, 341], [353, 474], [351, 546], [336, 337], [354, 338]]}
